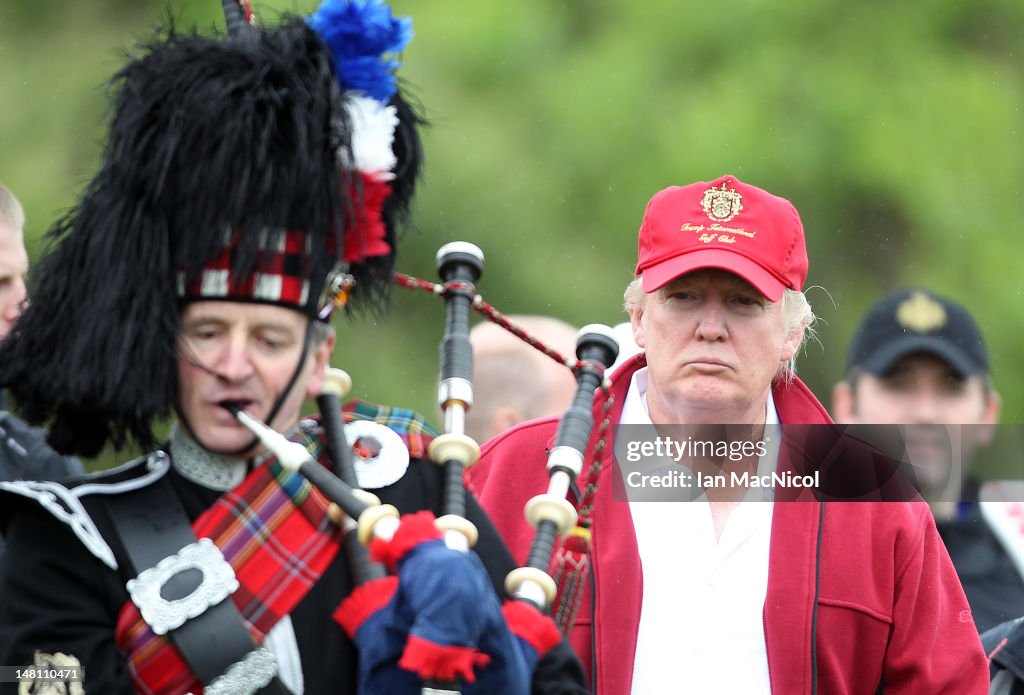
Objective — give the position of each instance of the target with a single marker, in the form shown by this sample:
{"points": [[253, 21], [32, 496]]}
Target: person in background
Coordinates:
{"points": [[24, 452], [918, 360], [514, 382], [13, 260]]}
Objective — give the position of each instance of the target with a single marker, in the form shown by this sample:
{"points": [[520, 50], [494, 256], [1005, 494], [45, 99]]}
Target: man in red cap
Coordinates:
{"points": [[725, 594]]}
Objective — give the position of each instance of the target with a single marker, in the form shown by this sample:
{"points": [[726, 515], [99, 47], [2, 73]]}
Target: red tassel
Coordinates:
{"points": [[367, 234], [570, 572], [528, 623], [415, 529], [363, 602], [440, 662]]}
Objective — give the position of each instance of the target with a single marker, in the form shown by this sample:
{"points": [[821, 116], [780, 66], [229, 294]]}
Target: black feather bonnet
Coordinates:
{"points": [[260, 167]]}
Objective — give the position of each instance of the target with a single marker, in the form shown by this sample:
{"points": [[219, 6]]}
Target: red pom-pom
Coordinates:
{"points": [[529, 624], [363, 602], [440, 662], [577, 544]]}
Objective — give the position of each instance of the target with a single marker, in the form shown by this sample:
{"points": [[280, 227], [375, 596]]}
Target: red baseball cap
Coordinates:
{"points": [[723, 224]]}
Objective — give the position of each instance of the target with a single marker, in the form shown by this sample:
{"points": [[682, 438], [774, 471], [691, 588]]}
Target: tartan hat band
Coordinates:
{"points": [[260, 288], [283, 273]]}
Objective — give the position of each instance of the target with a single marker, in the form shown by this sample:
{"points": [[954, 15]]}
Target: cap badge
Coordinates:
{"points": [[920, 313], [720, 204], [337, 289]]}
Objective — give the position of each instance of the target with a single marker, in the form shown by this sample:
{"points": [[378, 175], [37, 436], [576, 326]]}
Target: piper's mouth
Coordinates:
{"points": [[234, 407]]}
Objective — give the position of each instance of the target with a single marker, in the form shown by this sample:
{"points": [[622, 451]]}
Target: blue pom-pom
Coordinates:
{"points": [[360, 33]]}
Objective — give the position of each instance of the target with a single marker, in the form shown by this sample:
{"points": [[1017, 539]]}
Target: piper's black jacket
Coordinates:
{"points": [[57, 596]]}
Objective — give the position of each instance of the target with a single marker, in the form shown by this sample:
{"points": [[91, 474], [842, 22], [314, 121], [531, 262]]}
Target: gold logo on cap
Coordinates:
{"points": [[921, 313], [720, 204]]}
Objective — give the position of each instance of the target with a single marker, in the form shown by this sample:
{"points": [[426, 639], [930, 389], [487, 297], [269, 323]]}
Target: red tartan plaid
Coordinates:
{"points": [[274, 531], [281, 275], [410, 425]]}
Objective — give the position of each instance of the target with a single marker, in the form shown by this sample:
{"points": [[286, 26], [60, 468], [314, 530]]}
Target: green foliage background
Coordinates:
{"points": [[893, 127]]}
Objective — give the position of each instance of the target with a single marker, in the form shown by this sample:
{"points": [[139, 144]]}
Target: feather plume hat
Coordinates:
{"points": [[246, 169]]}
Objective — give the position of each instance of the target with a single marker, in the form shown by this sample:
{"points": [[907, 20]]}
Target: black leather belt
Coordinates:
{"points": [[153, 525]]}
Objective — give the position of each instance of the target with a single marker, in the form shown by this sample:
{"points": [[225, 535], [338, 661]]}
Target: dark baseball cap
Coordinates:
{"points": [[916, 320]]}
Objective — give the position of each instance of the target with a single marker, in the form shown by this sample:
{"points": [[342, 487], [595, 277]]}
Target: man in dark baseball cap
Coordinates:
{"points": [[914, 321], [919, 361]]}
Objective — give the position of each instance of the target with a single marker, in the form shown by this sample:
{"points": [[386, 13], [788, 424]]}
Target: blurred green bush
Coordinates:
{"points": [[893, 127]]}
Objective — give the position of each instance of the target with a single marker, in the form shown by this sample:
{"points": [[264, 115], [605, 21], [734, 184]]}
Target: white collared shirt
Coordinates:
{"points": [[701, 622]]}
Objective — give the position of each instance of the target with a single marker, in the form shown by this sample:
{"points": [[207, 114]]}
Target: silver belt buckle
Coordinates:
{"points": [[218, 583]]}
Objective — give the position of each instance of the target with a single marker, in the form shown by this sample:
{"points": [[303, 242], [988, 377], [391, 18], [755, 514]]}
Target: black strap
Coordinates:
{"points": [[1011, 656], [153, 525]]}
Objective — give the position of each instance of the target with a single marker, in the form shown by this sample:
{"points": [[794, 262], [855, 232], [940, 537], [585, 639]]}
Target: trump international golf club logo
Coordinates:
{"points": [[721, 204]]}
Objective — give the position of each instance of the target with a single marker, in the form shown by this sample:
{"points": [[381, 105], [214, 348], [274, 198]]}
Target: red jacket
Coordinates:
{"points": [[889, 610]]}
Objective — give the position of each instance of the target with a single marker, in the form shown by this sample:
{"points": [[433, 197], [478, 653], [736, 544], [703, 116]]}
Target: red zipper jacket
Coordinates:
{"points": [[890, 610]]}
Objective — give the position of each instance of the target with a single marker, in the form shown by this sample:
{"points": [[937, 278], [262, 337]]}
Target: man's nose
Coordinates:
{"points": [[711, 324], [924, 407], [234, 364]]}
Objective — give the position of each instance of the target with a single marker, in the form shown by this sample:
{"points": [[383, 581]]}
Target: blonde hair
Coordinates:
{"points": [[11, 212], [796, 313]]}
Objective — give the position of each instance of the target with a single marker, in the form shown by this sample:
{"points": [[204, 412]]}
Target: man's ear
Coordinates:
{"points": [[842, 404], [792, 343], [321, 360], [636, 313]]}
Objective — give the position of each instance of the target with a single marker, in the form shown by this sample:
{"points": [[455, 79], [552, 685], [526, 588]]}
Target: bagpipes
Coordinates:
{"points": [[551, 513], [437, 623]]}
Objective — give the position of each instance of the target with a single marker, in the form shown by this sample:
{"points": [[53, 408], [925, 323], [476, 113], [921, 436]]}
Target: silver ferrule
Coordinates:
{"points": [[455, 418], [454, 389]]}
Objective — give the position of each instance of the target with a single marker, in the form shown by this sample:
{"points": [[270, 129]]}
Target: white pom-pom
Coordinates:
{"points": [[373, 131]]}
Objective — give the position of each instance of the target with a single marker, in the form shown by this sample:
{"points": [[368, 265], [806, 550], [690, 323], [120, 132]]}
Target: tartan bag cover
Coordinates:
{"points": [[274, 531]]}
